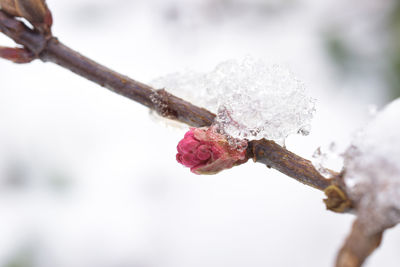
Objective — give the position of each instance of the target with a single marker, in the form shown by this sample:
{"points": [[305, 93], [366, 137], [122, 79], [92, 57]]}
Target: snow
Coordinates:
{"points": [[373, 171], [253, 100]]}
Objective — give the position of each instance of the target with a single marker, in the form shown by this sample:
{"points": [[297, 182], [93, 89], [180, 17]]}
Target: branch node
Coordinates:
{"points": [[31, 40], [337, 199]]}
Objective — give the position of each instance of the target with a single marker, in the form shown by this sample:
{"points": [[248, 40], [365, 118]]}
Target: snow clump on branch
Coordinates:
{"points": [[372, 170], [252, 100]]}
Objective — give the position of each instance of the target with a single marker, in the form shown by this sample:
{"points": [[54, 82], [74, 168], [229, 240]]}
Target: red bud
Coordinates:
{"points": [[17, 55], [35, 11]]}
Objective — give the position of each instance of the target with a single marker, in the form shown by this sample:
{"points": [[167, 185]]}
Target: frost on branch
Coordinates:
{"points": [[252, 100], [372, 166]]}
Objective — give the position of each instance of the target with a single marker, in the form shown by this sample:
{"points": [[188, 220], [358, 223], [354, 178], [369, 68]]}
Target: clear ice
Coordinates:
{"points": [[328, 159], [251, 99], [372, 167]]}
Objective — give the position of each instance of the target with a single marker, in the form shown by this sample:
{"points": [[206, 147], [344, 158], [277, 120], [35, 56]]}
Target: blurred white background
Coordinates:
{"points": [[88, 178]]}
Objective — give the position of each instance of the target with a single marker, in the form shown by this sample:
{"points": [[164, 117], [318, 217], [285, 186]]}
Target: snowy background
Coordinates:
{"points": [[89, 178]]}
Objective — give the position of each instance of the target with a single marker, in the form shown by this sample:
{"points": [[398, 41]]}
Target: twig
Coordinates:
{"points": [[165, 104], [49, 49], [274, 156]]}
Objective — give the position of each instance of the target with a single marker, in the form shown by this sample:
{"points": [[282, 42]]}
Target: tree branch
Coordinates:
{"points": [[274, 156], [165, 104], [49, 49]]}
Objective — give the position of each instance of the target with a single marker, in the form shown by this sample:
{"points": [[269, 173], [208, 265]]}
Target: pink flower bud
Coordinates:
{"points": [[205, 151]]}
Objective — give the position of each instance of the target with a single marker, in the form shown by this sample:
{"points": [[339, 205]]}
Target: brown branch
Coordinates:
{"points": [[49, 49], [164, 103], [358, 246], [274, 156]]}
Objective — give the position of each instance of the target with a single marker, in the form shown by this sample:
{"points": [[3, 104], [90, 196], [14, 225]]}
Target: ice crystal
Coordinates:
{"points": [[252, 100], [372, 167], [327, 159]]}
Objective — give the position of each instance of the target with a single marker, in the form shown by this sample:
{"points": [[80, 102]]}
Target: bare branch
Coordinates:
{"points": [[164, 103], [274, 156]]}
